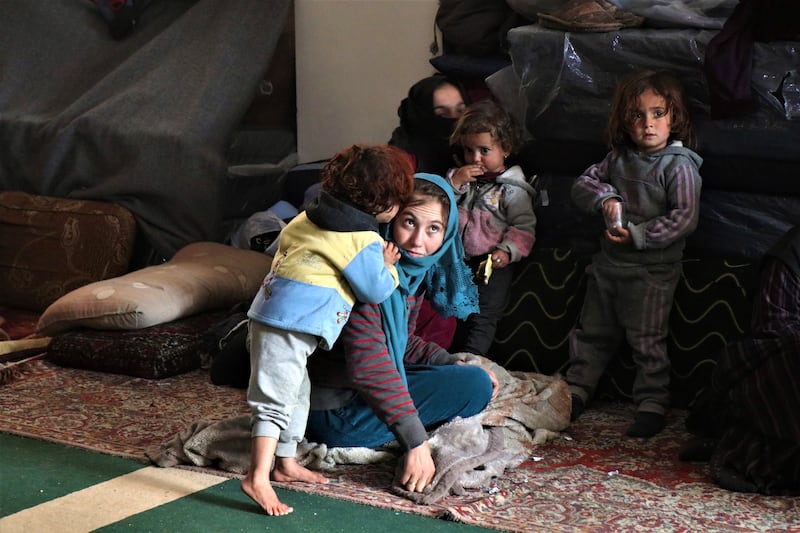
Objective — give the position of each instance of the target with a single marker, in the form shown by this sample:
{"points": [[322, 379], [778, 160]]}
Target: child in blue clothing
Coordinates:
{"points": [[328, 257], [632, 280], [495, 214]]}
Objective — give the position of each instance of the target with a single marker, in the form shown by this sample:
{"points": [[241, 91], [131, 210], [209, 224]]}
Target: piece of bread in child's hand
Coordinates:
{"points": [[485, 269]]}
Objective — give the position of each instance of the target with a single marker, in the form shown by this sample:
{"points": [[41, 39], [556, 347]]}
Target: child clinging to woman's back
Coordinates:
{"points": [[328, 257], [632, 279], [495, 214]]}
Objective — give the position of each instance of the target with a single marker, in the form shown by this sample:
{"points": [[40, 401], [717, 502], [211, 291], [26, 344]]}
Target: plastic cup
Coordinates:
{"points": [[614, 216]]}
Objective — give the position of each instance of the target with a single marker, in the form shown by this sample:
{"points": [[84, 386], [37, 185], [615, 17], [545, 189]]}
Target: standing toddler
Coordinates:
{"points": [[328, 257], [632, 280]]}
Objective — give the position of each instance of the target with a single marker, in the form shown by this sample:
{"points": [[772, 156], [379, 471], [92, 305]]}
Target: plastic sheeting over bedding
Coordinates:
{"points": [[732, 224], [560, 85], [143, 121], [567, 80]]}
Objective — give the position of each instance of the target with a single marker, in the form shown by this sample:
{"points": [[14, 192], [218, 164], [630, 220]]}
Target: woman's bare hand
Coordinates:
{"points": [[418, 468]]}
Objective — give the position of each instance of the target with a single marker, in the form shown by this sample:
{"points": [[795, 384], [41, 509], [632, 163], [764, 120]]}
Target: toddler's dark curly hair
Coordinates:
{"points": [[486, 116], [373, 178]]}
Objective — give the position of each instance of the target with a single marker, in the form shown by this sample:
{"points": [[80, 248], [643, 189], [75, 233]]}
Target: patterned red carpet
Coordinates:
{"points": [[590, 480]]}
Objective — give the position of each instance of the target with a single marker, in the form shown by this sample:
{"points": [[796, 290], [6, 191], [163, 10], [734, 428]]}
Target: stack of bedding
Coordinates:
{"points": [[560, 85]]}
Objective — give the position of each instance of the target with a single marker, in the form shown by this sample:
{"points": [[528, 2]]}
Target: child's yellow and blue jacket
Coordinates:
{"points": [[329, 256]]}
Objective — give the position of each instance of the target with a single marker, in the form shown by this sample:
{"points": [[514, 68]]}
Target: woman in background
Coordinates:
{"points": [[427, 118]]}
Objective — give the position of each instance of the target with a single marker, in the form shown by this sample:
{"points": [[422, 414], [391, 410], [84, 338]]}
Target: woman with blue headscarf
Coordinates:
{"points": [[380, 382]]}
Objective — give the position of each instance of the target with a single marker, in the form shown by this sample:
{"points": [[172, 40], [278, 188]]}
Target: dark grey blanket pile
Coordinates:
{"points": [[143, 121]]}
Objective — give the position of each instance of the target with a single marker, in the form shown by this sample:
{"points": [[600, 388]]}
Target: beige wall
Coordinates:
{"points": [[356, 60]]}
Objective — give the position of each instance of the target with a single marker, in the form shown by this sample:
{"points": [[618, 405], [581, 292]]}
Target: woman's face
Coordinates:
{"points": [[419, 229], [447, 102]]}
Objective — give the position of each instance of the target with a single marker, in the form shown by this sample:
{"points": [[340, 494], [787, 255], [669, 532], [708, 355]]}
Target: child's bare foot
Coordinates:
{"points": [[288, 469], [261, 491]]}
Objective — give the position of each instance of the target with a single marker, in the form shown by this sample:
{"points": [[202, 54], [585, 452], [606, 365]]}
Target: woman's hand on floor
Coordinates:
{"points": [[418, 468]]}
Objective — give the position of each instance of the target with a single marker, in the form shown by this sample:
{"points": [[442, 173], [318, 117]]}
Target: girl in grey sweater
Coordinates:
{"points": [[632, 279]]}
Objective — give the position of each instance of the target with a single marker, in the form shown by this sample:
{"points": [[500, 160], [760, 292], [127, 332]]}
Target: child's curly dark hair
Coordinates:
{"points": [[626, 96], [373, 178], [486, 116]]}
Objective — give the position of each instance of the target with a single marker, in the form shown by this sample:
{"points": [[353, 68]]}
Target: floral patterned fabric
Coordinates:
{"points": [[50, 246]]}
